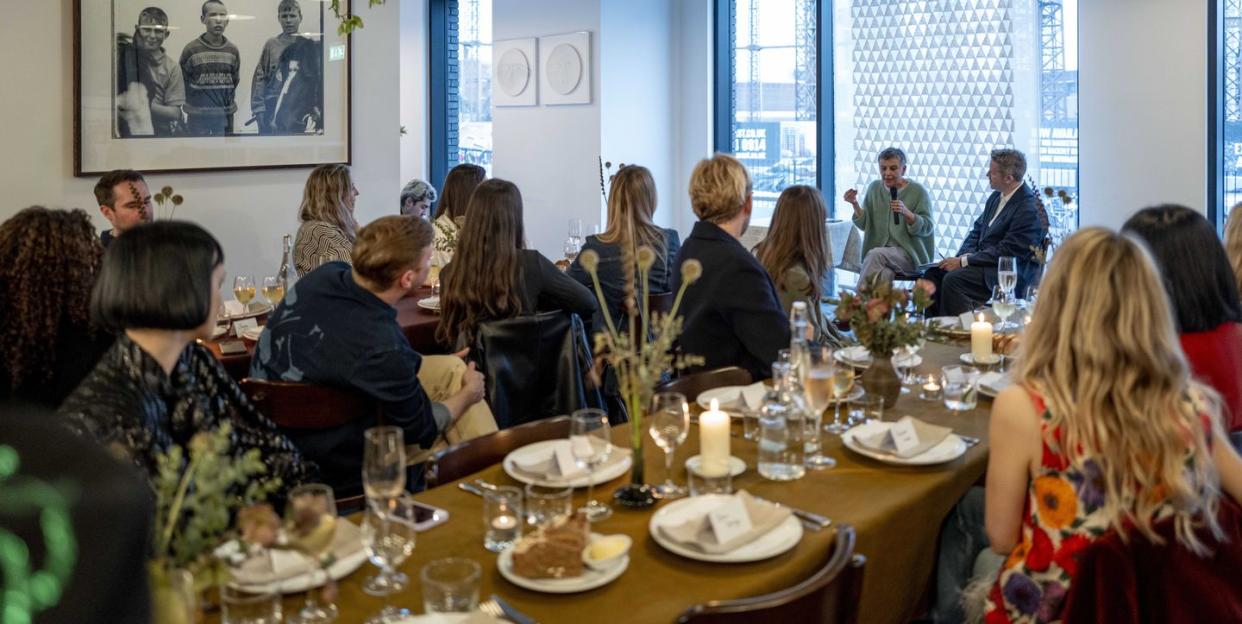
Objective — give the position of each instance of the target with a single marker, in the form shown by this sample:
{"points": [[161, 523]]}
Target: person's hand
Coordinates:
{"points": [[472, 384], [951, 264], [898, 207], [851, 196]]}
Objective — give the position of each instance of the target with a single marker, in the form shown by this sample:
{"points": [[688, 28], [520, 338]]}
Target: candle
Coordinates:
{"points": [[504, 523], [714, 441], [981, 340]]}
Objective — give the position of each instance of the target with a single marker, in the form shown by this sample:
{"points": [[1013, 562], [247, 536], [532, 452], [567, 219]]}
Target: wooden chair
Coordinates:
{"points": [[695, 384], [661, 302], [471, 456], [830, 596]]}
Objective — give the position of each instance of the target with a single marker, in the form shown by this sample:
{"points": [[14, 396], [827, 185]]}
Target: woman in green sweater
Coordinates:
{"points": [[888, 247]]}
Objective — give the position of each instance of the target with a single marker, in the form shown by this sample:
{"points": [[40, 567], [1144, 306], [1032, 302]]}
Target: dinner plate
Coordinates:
{"points": [[251, 312], [969, 358], [991, 384], [856, 392], [780, 539], [604, 474], [736, 465], [856, 356], [430, 303], [949, 449], [590, 578], [349, 552]]}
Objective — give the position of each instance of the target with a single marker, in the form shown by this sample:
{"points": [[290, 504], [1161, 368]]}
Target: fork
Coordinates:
{"points": [[969, 440], [496, 607], [490, 608]]}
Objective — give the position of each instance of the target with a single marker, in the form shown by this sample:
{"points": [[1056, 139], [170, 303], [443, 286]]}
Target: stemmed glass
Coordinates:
{"points": [[1004, 304], [575, 231], [842, 383], [243, 289], [273, 290], [310, 528], [670, 422], [383, 480], [572, 247], [388, 534], [1007, 273], [590, 444], [815, 374]]}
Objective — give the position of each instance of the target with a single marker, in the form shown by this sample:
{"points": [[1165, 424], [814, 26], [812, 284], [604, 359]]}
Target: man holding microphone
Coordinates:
{"points": [[896, 220]]}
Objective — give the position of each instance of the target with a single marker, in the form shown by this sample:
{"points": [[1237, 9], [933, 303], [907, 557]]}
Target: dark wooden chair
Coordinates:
{"points": [[694, 384], [471, 456], [661, 302], [830, 596]]}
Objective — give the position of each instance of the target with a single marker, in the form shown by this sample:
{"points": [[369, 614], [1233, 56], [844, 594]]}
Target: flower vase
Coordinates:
{"points": [[881, 380], [637, 494], [173, 596]]}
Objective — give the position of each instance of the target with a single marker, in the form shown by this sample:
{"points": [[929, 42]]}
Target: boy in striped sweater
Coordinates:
{"points": [[211, 65]]}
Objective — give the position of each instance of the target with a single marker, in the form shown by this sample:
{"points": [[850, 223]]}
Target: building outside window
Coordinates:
{"points": [[474, 57]]}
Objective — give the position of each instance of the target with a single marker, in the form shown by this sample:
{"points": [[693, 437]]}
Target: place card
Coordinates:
{"points": [[903, 435], [966, 318], [240, 327], [564, 457], [729, 520]]}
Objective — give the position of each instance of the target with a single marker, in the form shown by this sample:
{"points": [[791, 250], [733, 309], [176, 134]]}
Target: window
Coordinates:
{"points": [[460, 85], [1227, 104]]}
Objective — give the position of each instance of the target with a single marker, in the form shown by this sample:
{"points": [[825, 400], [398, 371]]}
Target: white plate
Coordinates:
{"points": [[991, 384], [603, 475], [856, 392], [951, 448], [350, 557], [727, 396], [856, 356], [969, 358], [430, 303], [590, 579], [780, 539], [914, 362], [255, 309], [736, 465]]}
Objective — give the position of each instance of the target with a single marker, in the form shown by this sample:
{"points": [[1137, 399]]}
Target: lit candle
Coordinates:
{"points": [[713, 441], [504, 523], [981, 340]]}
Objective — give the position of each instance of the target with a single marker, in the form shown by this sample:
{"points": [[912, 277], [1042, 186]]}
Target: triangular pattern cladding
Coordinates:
{"points": [[935, 79]]}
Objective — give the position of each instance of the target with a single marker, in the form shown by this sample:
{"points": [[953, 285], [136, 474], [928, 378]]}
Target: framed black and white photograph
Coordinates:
{"points": [[184, 85]]}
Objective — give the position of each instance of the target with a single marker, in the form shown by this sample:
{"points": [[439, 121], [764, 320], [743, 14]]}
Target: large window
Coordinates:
{"points": [[1228, 107], [460, 85]]}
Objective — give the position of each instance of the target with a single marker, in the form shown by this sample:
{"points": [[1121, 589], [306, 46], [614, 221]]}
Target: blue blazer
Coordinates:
{"points": [[1015, 233]]}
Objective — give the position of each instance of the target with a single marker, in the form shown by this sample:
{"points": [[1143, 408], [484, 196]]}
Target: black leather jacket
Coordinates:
{"points": [[129, 401]]}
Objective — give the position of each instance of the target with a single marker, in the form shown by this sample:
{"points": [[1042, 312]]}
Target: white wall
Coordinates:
{"points": [[1142, 106], [249, 210], [414, 99], [692, 93]]}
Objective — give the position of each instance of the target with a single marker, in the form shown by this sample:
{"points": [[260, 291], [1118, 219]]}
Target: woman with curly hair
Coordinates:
{"points": [[327, 215], [47, 342]]}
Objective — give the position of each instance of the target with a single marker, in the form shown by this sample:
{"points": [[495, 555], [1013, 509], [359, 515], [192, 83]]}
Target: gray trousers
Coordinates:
{"points": [[883, 263]]}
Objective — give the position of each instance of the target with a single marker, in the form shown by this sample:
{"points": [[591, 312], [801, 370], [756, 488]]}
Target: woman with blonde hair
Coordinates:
{"points": [[631, 208], [1233, 242], [1104, 429], [327, 215], [796, 255]]}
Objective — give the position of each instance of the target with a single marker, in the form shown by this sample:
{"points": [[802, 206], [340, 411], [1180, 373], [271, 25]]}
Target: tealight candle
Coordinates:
{"points": [[504, 523], [981, 340], [713, 441]]}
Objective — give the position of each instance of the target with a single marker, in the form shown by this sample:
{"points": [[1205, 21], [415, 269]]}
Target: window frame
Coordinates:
{"points": [[442, 89], [1216, 210]]}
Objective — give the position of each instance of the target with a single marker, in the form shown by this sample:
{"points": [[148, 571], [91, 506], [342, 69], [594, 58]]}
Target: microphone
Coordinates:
{"points": [[892, 192]]}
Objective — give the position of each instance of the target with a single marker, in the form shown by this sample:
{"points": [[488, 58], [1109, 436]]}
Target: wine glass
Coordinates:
{"points": [[590, 444], [670, 422], [815, 374], [572, 247], [310, 528], [1004, 304], [273, 290], [575, 230], [842, 384], [383, 479], [388, 534], [243, 289], [1007, 273]]}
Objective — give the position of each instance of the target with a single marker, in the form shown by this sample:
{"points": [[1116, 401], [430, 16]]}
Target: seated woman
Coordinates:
{"points": [[896, 220], [493, 276], [631, 206], [1103, 430], [1203, 290], [795, 253], [159, 289], [1233, 243], [417, 198], [451, 213], [327, 215], [47, 341], [733, 316]]}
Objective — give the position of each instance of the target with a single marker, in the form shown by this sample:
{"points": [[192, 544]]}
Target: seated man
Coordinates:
{"points": [[896, 220], [733, 316], [1009, 226], [337, 326], [124, 200]]}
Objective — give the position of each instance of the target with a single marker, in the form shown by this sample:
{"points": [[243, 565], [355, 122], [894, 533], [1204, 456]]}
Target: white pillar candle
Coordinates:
{"points": [[981, 340], [713, 441]]}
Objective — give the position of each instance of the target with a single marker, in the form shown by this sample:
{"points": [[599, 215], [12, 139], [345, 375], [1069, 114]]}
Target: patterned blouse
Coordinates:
{"points": [[130, 402], [318, 242], [1064, 514]]}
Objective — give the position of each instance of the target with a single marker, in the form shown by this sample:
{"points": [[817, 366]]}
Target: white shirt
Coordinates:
{"points": [[999, 207]]}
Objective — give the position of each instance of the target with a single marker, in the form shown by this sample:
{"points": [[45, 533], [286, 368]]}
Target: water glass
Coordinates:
{"points": [[544, 504], [961, 387], [502, 517], [389, 534], [451, 585], [591, 444], [668, 423], [383, 462], [904, 361], [700, 484], [867, 408], [239, 606]]}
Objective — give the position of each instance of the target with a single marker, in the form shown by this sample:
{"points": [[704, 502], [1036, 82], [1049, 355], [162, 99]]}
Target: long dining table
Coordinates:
{"points": [[896, 511]]}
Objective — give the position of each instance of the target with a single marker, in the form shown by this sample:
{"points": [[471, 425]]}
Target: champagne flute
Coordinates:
{"points": [[1007, 273], [575, 230], [273, 290], [590, 444], [310, 528], [383, 480], [243, 289], [1004, 305], [842, 383], [388, 534], [572, 247], [816, 374], [669, 424]]}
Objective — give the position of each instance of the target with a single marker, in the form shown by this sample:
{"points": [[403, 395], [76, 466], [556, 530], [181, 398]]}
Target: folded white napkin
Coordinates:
{"points": [[751, 397], [234, 307], [287, 564], [697, 532], [253, 333], [544, 467], [857, 353], [929, 435], [994, 381]]}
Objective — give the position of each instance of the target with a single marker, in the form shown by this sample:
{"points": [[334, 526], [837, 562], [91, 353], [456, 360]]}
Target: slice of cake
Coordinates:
{"points": [[554, 551]]}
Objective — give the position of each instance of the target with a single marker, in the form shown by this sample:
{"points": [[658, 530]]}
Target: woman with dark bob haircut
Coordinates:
{"points": [[159, 290], [1203, 294]]}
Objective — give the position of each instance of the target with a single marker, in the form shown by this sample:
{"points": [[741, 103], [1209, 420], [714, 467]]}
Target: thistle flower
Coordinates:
{"points": [[177, 199], [167, 190], [646, 258], [1048, 191], [589, 260], [691, 271]]}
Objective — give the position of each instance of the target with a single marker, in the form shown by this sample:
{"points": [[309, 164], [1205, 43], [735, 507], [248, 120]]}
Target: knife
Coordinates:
{"points": [[470, 487], [805, 516], [517, 617]]}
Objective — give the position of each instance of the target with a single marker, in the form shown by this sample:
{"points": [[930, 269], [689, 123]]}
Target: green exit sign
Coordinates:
{"points": [[336, 53]]}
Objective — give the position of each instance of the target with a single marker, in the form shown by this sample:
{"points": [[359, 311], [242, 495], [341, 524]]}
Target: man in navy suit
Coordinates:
{"points": [[1009, 226]]}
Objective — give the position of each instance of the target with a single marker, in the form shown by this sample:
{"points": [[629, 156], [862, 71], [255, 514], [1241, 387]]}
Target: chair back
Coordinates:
{"points": [[468, 457], [830, 596], [535, 366], [661, 302], [694, 384]]}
